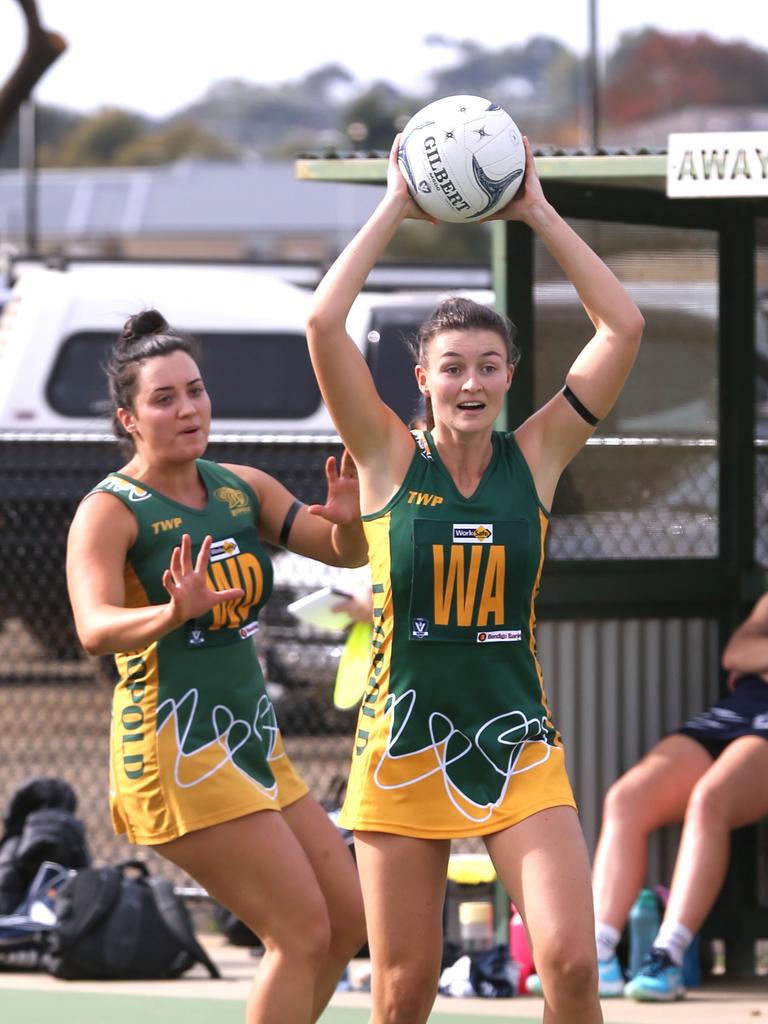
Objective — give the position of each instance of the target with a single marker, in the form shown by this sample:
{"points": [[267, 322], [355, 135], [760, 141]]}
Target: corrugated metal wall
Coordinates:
{"points": [[615, 687]]}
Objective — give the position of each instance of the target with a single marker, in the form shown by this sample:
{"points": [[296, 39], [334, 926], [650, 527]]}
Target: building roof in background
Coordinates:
{"points": [[191, 197], [308, 196]]}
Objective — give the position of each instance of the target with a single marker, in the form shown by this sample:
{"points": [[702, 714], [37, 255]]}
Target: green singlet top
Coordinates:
{"points": [[194, 735], [454, 735]]}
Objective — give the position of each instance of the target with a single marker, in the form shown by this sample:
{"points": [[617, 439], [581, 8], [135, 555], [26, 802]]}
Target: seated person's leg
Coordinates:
{"points": [[732, 793], [653, 793]]}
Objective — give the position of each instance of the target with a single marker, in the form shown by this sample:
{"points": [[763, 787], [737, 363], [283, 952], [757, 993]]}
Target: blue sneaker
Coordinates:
{"points": [[610, 978], [659, 980], [610, 981]]}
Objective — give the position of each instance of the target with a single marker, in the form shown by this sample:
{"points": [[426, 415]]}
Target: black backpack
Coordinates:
{"points": [[233, 929], [40, 825], [111, 923]]}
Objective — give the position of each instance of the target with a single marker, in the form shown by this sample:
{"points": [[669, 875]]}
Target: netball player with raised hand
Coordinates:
{"points": [[167, 571], [455, 736]]}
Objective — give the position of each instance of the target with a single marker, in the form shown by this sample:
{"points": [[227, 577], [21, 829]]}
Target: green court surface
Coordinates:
{"points": [[22, 1006]]}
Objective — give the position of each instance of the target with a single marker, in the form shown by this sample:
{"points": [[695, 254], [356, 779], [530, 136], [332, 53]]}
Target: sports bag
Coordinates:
{"points": [[23, 934], [492, 974], [40, 825], [112, 923]]}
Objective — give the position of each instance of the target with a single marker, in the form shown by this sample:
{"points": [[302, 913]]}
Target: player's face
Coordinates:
{"points": [[467, 377], [171, 414]]}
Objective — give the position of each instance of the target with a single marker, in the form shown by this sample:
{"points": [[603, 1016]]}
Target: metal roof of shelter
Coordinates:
{"points": [[641, 168]]}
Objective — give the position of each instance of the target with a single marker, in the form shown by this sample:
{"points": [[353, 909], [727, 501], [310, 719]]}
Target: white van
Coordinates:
{"points": [[58, 325]]}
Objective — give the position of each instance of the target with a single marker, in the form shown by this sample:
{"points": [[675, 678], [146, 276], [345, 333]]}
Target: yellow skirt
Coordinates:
{"points": [[167, 793], [415, 796]]}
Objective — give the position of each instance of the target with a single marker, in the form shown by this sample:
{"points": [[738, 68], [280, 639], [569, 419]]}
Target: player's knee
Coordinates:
{"points": [[570, 972], [406, 994], [621, 801], [708, 806], [308, 940]]}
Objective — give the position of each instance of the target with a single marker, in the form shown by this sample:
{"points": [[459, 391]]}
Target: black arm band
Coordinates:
{"points": [[290, 515], [582, 410]]}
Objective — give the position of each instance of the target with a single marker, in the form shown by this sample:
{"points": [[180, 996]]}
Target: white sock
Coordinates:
{"points": [[675, 938], [607, 938]]}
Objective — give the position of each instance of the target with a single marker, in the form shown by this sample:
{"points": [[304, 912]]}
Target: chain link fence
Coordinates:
{"points": [[55, 701]]}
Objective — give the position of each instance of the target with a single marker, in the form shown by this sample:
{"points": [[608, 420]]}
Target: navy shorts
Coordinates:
{"points": [[744, 712]]}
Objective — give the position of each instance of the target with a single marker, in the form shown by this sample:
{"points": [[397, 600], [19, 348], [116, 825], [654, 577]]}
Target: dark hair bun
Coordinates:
{"points": [[150, 321]]}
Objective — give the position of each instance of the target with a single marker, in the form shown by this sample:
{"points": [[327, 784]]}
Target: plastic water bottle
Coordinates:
{"points": [[519, 950], [643, 928]]}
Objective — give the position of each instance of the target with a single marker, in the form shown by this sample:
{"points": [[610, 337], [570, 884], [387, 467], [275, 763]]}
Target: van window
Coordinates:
{"points": [[390, 360], [248, 375]]}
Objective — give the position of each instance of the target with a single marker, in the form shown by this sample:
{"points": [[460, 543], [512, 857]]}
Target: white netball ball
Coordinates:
{"points": [[462, 157]]}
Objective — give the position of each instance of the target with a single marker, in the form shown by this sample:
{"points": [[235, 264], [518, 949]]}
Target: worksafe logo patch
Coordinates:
{"points": [[221, 549], [472, 533]]}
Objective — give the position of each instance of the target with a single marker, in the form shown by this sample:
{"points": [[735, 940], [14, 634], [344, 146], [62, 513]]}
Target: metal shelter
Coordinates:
{"points": [[657, 546]]}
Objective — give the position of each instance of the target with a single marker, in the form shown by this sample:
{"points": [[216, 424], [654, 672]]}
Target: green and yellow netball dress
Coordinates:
{"points": [[454, 736], [194, 736]]}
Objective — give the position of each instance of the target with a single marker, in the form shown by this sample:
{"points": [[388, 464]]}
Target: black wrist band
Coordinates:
{"points": [[581, 409], [290, 515]]}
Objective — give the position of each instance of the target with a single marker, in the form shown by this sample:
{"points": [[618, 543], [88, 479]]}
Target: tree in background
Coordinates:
{"points": [[652, 73], [98, 139], [54, 125], [179, 140], [114, 137], [540, 82], [272, 120], [372, 119], [41, 50]]}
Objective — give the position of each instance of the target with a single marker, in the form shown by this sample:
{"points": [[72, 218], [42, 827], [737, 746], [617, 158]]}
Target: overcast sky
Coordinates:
{"points": [[155, 56]]}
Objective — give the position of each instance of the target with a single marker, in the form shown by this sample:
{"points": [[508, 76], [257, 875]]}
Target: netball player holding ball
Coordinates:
{"points": [[455, 737]]}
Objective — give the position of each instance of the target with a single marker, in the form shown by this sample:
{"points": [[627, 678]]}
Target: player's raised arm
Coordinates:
{"points": [[553, 435], [363, 420]]}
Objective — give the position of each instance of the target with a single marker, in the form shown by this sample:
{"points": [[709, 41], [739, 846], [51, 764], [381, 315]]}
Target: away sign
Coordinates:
{"points": [[717, 164]]}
